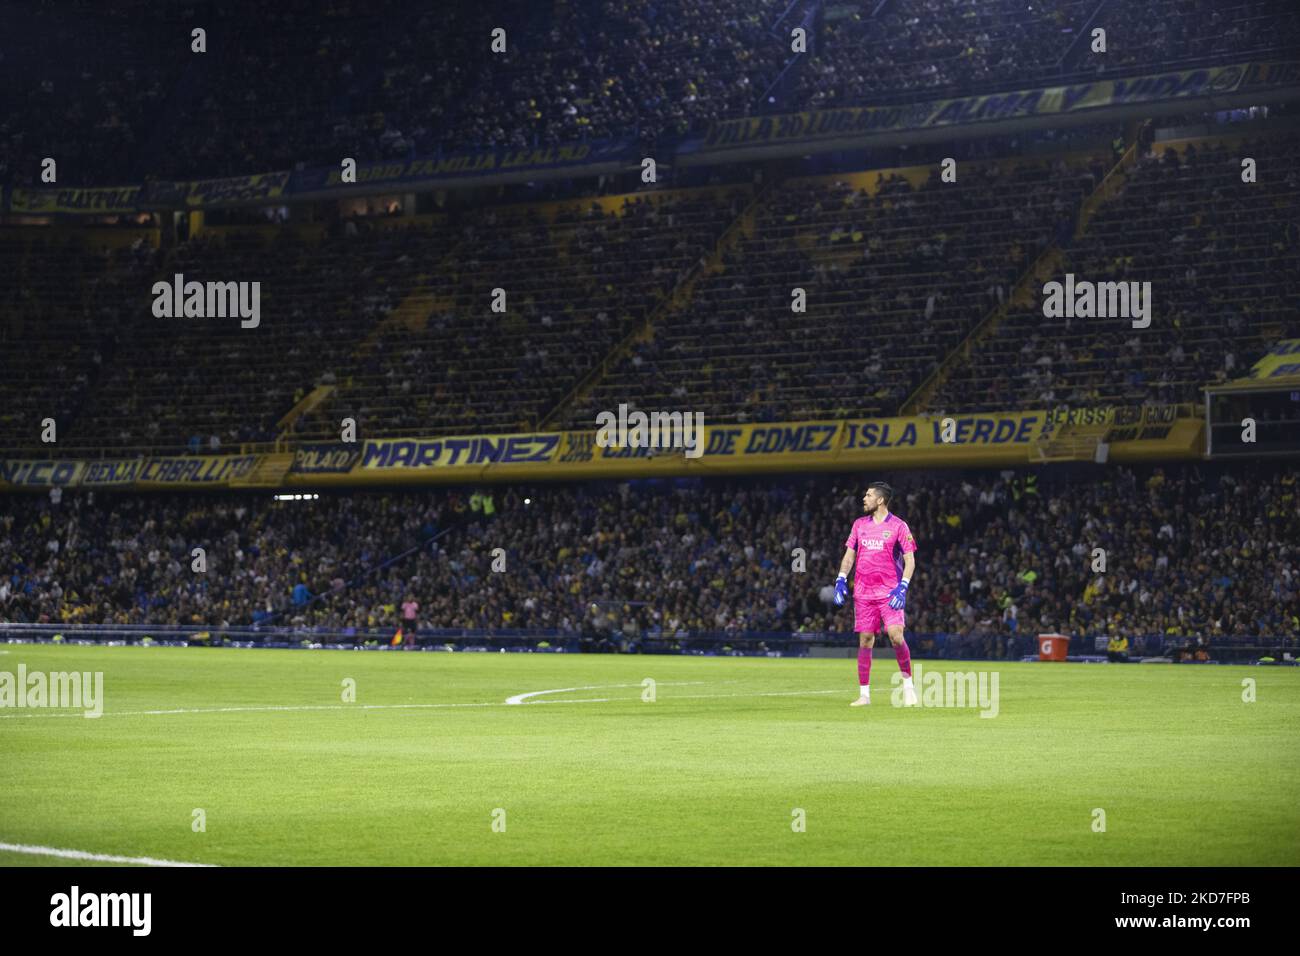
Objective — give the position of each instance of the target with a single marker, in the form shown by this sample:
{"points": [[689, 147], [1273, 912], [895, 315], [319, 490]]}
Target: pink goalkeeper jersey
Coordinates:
{"points": [[880, 547]]}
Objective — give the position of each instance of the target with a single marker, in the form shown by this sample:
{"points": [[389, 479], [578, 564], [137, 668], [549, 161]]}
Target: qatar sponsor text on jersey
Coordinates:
{"points": [[880, 547]]}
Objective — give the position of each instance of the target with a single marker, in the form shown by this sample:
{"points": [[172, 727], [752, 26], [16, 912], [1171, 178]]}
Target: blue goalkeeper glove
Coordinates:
{"points": [[841, 590], [898, 596]]}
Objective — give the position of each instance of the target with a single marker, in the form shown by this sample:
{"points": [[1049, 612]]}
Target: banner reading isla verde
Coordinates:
{"points": [[990, 439], [981, 439]]}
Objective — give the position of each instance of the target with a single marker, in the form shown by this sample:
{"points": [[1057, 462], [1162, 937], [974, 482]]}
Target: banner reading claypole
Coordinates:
{"points": [[80, 201]]}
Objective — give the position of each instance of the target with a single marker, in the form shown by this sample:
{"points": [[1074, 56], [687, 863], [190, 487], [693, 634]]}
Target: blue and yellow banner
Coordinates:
{"points": [[1282, 361], [986, 438], [467, 164], [811, 126], [230, 190], [181, 471], [983, 439], [75, 201], [322, 458]]}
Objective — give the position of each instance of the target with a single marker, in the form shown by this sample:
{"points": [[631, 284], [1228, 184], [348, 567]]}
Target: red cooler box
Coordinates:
{"points": [[1053, 647]]}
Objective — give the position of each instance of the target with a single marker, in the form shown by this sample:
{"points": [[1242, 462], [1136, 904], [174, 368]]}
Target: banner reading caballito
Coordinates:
{"points": [[180, 471]]}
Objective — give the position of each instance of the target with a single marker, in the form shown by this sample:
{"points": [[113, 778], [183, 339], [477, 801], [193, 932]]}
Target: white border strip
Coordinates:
{"points": [[97, 857]]}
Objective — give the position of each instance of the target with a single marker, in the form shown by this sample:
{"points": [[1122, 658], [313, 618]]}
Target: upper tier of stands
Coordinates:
{"points": [[895, 277], [1223, 260], [111, 89], [674, 301]]}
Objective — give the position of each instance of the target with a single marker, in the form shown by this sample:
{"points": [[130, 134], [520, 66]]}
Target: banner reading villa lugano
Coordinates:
{"points": [[986, 439]]}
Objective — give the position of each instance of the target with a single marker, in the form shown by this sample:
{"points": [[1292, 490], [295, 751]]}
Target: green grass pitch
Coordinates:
{"points": [[711, 772]]}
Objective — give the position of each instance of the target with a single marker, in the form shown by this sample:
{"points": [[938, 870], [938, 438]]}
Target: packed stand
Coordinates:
{"points": [[574, 287], [67, 307], [1171, 33], [113, 91], [1223, 260], [894, 280], [86, 84], [1001, 556], [932, 47], [130, 381]]}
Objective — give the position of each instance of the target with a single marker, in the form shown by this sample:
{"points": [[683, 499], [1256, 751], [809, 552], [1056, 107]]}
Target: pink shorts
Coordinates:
{"points": [[869, 615]]}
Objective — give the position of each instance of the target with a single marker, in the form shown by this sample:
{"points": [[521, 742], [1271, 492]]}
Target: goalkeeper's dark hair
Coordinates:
{"points": [[884, 489]]}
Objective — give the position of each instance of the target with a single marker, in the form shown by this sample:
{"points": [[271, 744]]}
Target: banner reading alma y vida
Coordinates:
{"points": [[463, 165], [812, 125]]}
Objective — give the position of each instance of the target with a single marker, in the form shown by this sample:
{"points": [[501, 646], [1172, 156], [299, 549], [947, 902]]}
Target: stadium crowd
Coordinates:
{"points": [[896, 274], [1223, 261], [402, 333], [1191, 552], [292, 83], [575, 285]]}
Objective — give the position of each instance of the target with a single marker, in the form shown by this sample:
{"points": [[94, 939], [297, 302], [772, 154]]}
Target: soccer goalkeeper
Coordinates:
{"points": [[884, 547]]}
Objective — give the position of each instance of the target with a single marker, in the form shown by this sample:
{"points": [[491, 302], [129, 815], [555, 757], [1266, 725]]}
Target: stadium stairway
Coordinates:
{"points": [[1069, 442], [269, 472], [742, 226], [1023, 294], [313, 399], [1108, 187], [412, 311]]}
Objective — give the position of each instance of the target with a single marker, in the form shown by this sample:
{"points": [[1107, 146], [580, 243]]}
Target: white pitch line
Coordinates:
{"points": [[256, 710], [99, 857], [606, 700], [520, 698], [517, 700], [779, 693]]}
